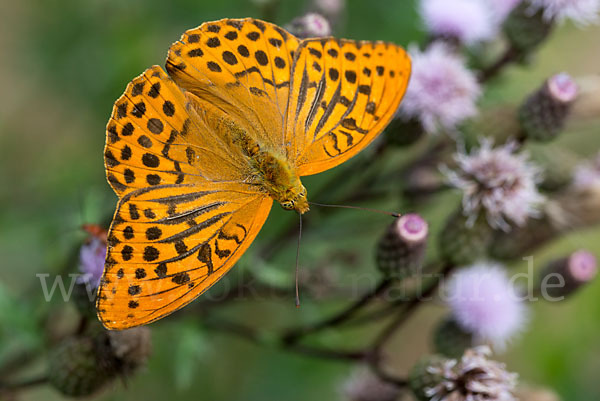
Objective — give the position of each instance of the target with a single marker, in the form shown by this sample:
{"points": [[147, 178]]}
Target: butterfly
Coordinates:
{"points": [[197, 156]]}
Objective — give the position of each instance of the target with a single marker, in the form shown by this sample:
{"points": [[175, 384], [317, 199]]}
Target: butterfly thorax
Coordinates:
{"points": [[272, 171]]}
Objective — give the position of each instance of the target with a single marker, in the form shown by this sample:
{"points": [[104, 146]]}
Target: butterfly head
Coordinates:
{"points": [[296, 200]]}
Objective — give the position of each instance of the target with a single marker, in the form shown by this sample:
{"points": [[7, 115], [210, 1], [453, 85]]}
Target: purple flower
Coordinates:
{"points": [[473, 378], [485, 303], [587, 175], [91, 262], [469, 21], [442, 91], [582, 12], [562, 87], [412, 229], [499, 182]]}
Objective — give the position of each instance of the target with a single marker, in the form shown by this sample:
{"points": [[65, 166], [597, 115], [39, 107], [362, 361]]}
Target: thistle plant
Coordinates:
{"points": [[469, 197]]}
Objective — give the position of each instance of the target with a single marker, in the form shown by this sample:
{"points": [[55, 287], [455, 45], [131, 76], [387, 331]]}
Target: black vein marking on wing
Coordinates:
{"points": [[315, 106], [185, 198], [302, 94], [328, 111], [189, 214], [196, 228]]}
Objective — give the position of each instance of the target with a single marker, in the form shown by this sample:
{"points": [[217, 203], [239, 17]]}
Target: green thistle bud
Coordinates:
{"points": [[564, 276], [526, 30], [463, 241], [544, 113], [421, 378], [451, 340], [81, 366], [401, 251], [74, 370]]}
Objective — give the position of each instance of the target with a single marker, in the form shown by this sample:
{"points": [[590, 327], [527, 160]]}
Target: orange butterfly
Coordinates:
{"points": [[198, 156]]}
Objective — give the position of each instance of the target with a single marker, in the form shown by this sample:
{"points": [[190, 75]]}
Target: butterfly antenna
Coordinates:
{"points": [[357, 208], [297, 262]]}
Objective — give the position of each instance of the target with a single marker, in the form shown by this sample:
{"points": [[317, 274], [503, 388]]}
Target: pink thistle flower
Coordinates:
{"points": [[582, 12], [485, 303], [442, 91], [91, 262], [500, 182], [469, 21], [587, 175]]}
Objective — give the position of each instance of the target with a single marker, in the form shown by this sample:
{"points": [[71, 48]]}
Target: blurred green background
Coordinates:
{"points": [[63, 65]]}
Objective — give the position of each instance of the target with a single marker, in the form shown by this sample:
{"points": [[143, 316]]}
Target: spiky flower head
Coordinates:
{"points": [[91, 262], [468, 21], [363, 385], [442, 92], [473, 378], [485, 302], [582, 12], [311, 25], [499, 182]]}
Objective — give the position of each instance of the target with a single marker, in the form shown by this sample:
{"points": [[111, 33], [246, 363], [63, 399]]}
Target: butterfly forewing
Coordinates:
{"points": [[343, 94], [244, 65]]}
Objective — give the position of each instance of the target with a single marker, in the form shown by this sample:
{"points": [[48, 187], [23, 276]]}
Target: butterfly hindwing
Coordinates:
{"points": [[170, 243], [344, 93], [242, 64]]}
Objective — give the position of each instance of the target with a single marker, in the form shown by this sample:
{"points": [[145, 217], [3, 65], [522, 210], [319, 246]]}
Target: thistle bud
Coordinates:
{"points": [[450, 339], [464, 240], [311, 25], [401, 251], [564, 276], [81, 366], [74, 370], [526, 30], [544, 113]]}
